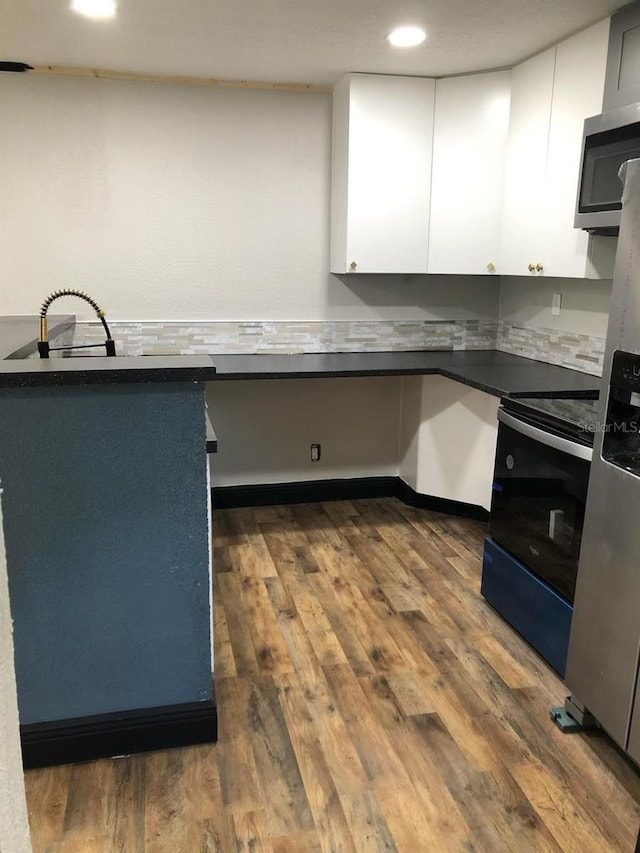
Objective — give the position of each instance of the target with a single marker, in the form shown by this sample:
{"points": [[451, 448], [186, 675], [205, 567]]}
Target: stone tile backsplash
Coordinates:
{"points": [[581, 352], [294, 337], [568, 349]]}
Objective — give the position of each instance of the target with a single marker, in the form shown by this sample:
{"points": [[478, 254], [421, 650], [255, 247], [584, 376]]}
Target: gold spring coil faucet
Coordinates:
{"points": [[44, 347]]}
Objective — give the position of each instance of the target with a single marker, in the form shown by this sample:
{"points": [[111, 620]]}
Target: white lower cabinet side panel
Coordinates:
{"points": [[448, 439]]}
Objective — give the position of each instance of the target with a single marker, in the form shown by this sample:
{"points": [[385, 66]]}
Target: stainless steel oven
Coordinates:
{"points": [[539, 498], [540, 484]]}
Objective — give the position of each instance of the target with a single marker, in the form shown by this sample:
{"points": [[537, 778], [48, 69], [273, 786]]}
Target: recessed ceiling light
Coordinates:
{"points": [[95, 8], [406, 37]]}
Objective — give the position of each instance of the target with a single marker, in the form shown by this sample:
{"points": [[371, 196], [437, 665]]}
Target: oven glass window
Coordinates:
{"points": [[538, 504]]}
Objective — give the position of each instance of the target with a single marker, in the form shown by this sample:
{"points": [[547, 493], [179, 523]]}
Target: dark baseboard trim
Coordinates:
{"points": [[106, 735], [309, 491], [315, 491], [448, 507]]}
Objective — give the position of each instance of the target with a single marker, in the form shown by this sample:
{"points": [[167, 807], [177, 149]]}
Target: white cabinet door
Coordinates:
{"points": [[577, 94], [551, 95], [469, 148], [382, 146], [522, 233]]}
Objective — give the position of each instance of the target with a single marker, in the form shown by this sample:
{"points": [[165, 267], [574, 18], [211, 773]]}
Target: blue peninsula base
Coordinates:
{"points": [[106, 512]]}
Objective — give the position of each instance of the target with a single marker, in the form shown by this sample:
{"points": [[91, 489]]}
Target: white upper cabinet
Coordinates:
{"points": [[469, 149], [577, 94], [522, 240], [551, 95], [469, 175], [382, 151]]}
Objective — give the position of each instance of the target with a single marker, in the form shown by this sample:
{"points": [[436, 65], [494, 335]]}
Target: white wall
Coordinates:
{"points": [[14, 829], [177, 203], [585, 303], [265, 427]]}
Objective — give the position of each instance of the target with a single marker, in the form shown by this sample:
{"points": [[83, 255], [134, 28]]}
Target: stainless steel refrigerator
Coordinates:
{"points": [[604, 647]]}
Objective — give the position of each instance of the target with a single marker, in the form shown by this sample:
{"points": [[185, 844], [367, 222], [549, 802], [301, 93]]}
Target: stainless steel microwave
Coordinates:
{"points": [[608, 141]]}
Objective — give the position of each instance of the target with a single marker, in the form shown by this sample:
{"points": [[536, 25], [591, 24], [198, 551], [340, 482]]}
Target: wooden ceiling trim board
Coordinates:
{"points": [[180, 80]]}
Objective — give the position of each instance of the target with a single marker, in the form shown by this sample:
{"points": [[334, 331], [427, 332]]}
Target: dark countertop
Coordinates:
{"points": [[101, 370], [497, 373]]}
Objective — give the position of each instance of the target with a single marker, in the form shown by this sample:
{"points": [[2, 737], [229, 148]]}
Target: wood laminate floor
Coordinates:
{"points": [[369, 700]]}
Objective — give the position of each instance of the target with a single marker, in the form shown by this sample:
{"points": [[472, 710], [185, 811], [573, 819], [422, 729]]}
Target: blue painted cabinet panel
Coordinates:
{"points": [[528, 604]]}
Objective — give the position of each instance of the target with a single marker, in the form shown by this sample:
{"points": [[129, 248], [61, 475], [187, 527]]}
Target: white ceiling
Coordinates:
{"points": [[312, 41]]}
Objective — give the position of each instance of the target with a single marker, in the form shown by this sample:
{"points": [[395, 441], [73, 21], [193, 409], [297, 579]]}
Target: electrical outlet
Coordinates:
{"points": [[556, 304], [315, 452]]}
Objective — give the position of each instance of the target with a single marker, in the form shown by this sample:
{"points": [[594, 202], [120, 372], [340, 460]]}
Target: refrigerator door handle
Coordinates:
{"points": [[571, 448]]}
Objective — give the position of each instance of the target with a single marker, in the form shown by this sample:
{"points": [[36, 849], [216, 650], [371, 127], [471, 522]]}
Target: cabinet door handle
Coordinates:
{"points": [[531, 267], [353, 266], [539, 267], [491, 267]]}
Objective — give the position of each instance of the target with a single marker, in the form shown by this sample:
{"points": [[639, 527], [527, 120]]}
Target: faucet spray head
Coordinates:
{"points": [[43, 342]]}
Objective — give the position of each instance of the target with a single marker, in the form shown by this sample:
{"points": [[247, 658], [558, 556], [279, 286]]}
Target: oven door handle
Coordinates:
{"points": [[572, 448]]}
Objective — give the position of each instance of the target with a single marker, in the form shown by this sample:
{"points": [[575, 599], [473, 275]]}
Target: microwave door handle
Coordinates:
{"points": [[571, 448]]}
